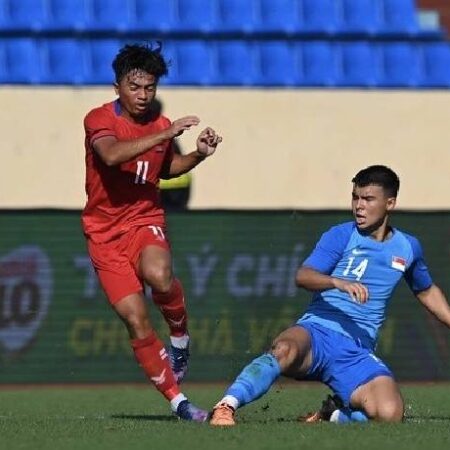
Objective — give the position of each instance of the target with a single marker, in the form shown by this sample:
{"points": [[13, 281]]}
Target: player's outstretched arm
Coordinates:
{"points": [[433, 299], [313, 280], [207, 142], [114, 152]]}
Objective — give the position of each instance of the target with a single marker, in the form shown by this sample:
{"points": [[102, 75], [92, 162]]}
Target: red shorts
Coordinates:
{"points": [[116, 262]]}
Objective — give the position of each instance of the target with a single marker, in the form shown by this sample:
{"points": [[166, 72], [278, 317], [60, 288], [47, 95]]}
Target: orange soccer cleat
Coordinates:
{"points": [[312, 417], [222, 416]]}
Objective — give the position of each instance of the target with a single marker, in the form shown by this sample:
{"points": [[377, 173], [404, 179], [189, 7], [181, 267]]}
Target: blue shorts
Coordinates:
{"points": [[340, 362]]}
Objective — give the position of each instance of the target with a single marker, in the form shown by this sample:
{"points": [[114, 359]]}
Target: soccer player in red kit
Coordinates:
{"points": [[128, 150]]}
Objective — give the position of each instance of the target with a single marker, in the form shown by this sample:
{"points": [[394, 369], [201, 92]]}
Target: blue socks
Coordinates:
{"points": [[347, 415], [255, 379]]}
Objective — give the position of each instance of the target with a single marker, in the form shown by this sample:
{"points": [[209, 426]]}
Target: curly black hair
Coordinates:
{"points": [[140, 57], [379, 175]]}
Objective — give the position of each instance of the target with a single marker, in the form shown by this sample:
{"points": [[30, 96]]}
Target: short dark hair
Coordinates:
{"points": [[137, 57], [379, 175]]}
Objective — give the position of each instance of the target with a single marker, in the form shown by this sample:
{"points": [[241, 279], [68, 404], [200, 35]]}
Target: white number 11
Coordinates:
{"points": [[141, 172]]}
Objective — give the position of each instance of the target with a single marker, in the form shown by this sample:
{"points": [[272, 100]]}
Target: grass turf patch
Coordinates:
{"points": [[137, 417]]}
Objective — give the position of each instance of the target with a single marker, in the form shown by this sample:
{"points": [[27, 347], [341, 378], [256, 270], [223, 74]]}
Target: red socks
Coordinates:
{"points": [[171, 305], [152, 357], [150, 352]]}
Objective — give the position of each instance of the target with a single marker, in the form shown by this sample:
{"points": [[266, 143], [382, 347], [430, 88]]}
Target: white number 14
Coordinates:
{"points": [[359, 270]]}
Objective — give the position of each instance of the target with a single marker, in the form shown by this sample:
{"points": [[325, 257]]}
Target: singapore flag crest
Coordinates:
{"points": [[398, 263]]}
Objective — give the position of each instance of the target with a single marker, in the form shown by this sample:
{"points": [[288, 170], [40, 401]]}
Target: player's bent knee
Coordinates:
{"points": [[390, 411], [162, 286], [285, 351], [160, 279]]}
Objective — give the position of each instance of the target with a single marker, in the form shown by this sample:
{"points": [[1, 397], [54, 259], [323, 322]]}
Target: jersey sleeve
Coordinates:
{"points": [[417, 275], [98, 123], [329, 249]]}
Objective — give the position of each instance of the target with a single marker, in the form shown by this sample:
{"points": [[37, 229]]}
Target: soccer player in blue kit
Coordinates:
{"points": [[352, 273]]}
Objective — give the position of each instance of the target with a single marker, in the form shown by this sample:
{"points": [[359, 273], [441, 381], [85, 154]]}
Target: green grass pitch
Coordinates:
{"points": [[136, 417]]}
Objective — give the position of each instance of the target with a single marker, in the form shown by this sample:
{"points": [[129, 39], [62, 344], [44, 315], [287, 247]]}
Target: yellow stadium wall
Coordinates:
{"points": [[281, 148]]}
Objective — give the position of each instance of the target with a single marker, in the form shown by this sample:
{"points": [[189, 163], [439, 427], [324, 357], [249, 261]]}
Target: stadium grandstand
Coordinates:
{"points": [[292, 43]]}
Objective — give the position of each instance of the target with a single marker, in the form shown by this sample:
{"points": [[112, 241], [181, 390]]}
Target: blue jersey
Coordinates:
{"points": [[343, 252]]}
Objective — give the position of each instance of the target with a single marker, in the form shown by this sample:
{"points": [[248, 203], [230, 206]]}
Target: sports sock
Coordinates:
{"points": [[254, 380], [171, 304], [152, 357], [347, 415], [176, 401], [230, 401], [180, 342]]}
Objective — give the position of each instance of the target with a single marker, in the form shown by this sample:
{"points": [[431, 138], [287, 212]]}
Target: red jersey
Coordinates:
{"points": [[125, 195]]}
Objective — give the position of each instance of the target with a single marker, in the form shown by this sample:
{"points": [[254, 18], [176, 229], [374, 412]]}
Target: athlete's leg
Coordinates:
{"points": [[117, 275], [290, 355], [155, 266], [292, 349], [152, 357], [380, 399], [376, 399], [148, 349], [363, 385]]}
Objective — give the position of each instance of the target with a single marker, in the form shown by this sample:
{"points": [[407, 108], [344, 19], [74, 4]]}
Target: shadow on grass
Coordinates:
{"points": [[147, 417]]}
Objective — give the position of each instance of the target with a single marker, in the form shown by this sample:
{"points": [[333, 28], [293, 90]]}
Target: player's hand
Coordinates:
{"points": [[357, 291], [180, 125], [207, 142]]}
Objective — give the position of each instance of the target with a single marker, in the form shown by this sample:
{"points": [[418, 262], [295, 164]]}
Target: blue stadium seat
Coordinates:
{"points": [[195, 16], [236, 16], [235, 63], [170, 55], [4, 15], [359, 64], [5, 22], [3, 63], [67, 15], [399, 18], [318, 63], [191, 63], [436, 65], [64, 61], [399, 65], [160, 17], [281, 16], [277, 64], [110, 15], [22, 15], [100, 54], [360, 17], [21, 61], [320, 16]]}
